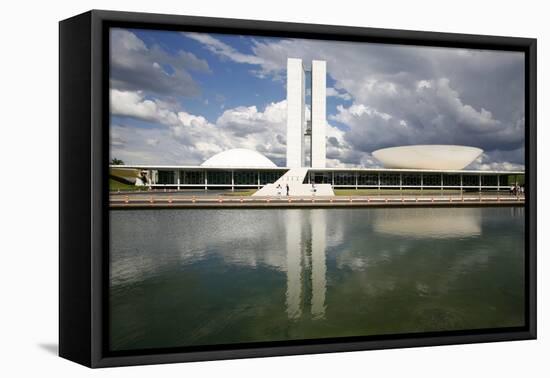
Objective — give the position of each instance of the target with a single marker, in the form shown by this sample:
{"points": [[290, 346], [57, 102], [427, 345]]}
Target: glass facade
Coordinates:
{"points": [[269, 177], [223, 177], [470, 180], [344, 178], [432, 179], [389, 179], [192, 177], [167, 177], [219, 177], [320, 177], [367, 179], [489, 180], [451, 180], [411, 179], [246, 177], [255, 178]]}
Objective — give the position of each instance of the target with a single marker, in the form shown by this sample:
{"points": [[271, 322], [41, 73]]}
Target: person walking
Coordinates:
{"points": [[287, 190]]}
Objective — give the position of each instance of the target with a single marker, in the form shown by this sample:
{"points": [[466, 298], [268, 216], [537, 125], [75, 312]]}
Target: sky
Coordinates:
{"points": [[178, 98]]}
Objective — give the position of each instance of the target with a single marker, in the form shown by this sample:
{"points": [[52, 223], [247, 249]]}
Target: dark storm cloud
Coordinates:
{"points": [[134, 66], [418, 95], [333, 141]]}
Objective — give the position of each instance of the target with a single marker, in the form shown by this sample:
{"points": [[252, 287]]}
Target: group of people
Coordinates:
{"points": [[517, 190], [280, 188]]}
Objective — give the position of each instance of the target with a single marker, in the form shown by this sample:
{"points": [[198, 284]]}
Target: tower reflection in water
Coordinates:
{"points": [[288, 274], [306, 263], [306, 245]]}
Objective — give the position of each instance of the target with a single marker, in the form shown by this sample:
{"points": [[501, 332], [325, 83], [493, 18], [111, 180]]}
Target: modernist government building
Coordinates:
{"points": [[419, 167]]}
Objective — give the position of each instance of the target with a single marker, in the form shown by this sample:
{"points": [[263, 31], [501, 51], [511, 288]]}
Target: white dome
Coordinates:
{"points": [[435, 156], [239, 158]]}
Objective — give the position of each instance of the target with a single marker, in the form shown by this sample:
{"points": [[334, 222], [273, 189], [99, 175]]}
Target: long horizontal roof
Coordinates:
{"points": [[198, 167]]}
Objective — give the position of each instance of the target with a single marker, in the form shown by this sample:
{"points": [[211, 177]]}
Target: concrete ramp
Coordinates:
{"points": [[294, 178]]}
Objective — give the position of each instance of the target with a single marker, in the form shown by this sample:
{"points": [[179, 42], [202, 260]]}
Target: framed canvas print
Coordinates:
{"points": [[234, 188]]}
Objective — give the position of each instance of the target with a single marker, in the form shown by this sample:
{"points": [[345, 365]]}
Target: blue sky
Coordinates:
{"points": [[179, 98], [228, 85]]}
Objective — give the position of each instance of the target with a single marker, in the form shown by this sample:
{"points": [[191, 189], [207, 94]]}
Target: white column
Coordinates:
{"points": [[480, 182], [295, 121], [318, 113]]}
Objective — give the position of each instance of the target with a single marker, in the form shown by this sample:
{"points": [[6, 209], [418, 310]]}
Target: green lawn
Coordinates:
{"points": [[115, 186], [411, 192], [243, 193]]}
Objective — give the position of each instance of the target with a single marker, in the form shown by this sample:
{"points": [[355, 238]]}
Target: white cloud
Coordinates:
{"points": [[423, 84], [152, 141], [133, 104], [346, 115], [497, 161], [137, 148], [401, 95], [222, 49], [135, 66], [497, 166], [196, 137], [248, 120], [116, 140]]}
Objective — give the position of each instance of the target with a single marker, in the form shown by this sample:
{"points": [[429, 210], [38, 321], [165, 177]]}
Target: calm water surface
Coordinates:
{"points": [[200, 277]]}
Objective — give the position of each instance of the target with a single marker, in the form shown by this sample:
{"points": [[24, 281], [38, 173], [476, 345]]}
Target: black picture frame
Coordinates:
{"points": [[83, 209]]}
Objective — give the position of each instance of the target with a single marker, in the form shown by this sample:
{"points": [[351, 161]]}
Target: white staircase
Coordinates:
{"points": [[294, 178]]}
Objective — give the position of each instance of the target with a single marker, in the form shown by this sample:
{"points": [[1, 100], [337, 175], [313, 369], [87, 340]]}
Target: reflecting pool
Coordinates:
{"points": [[215, 276]]}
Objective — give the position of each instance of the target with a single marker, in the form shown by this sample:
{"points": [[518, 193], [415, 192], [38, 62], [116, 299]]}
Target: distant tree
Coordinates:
{"points": [[116, 161]]}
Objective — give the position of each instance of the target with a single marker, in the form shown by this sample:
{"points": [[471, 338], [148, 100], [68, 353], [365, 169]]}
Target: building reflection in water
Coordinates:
{"points": [[306, 244], [293, 264], [318, 263], [440, 223], [306, 263]]}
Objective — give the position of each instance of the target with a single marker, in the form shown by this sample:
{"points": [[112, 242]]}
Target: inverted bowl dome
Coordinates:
{"points": [[433, 156], [239, 157]]}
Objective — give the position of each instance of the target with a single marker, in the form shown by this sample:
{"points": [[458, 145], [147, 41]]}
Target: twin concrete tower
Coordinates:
{"points": [[297, 127]]}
